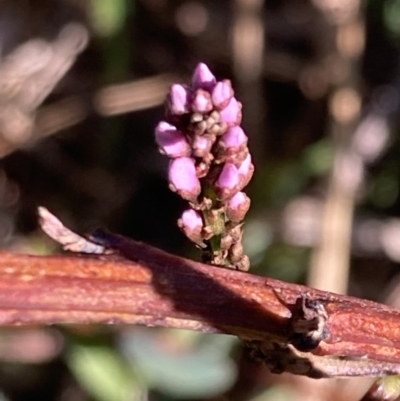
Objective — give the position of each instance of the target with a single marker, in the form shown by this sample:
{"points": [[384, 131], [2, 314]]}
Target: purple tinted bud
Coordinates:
{"points": [[192, 219], [203, 78], [229, 176], [237, 200], [232, 146], [222, 94], [246, 171], [202, 102], [202, 145], [183, 179], [178, 99], [232, 113], [228, 181], [192, 225], [237, 207], [245, 166], [234, 137], [171, 141]]}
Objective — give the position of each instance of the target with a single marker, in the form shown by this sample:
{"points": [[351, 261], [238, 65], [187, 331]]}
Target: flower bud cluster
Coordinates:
{"points": [[210, 164]]}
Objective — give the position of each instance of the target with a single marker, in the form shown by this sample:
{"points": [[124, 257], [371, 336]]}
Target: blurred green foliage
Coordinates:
{"points": [[103, 373], [106, 171]]}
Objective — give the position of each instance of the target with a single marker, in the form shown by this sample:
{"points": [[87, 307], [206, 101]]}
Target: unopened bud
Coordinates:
{"points": [[178, 99], [183, 179], [222, 94], [232, 113], [233, 145], [237, 207], [228, 181], [202, 145], [192, 225], [202, 102], [203, 78], [171, 141], [246, 171]]}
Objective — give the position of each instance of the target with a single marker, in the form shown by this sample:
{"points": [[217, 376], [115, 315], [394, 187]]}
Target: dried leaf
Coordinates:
{"points": [[64, 236]]}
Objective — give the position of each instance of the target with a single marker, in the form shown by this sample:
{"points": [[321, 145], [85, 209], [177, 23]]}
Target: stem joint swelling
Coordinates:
{"points": [[308, 324]]}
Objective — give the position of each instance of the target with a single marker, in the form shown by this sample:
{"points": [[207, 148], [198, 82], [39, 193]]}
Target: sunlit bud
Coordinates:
{"points": [[228, 181], [202, 145], [222, 94], [192, 225], [237, 207], [171, 141], [232, 113], [246, 171], [232, 142], [183, 179], [234, 137], [201, 102], [178, 99], [203, 78]]}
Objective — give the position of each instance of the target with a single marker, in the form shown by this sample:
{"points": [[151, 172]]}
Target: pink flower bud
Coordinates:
{"points": [[246, 171], [178, 99], [222, 94], [245, 166], [183, 179], [237, 207], [202, 102], [203, 78], [192, 225], [171, 141], [202, 145], [228, 181], [232, 145], [234, 137], [229, 176], [232, 113]]}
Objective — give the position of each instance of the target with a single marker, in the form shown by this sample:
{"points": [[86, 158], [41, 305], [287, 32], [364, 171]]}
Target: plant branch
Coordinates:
{"points": [[144, 285]]}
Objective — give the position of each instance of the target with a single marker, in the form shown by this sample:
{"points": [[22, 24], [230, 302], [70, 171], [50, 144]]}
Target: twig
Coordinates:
{"points": [[144, 285]]}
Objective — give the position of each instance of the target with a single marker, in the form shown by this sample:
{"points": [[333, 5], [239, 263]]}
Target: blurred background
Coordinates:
{"points": [[82, 85]]}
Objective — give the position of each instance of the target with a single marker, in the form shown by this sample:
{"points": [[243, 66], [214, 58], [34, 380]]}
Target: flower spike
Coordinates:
{"points": [[210, 165]]}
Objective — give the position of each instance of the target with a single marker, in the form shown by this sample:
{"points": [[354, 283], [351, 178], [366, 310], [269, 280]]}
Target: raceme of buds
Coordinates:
{"points": [[210, 164]]}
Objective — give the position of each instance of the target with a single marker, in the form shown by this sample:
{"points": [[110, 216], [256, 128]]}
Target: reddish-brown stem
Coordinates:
{"points": [[147, 286]]}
